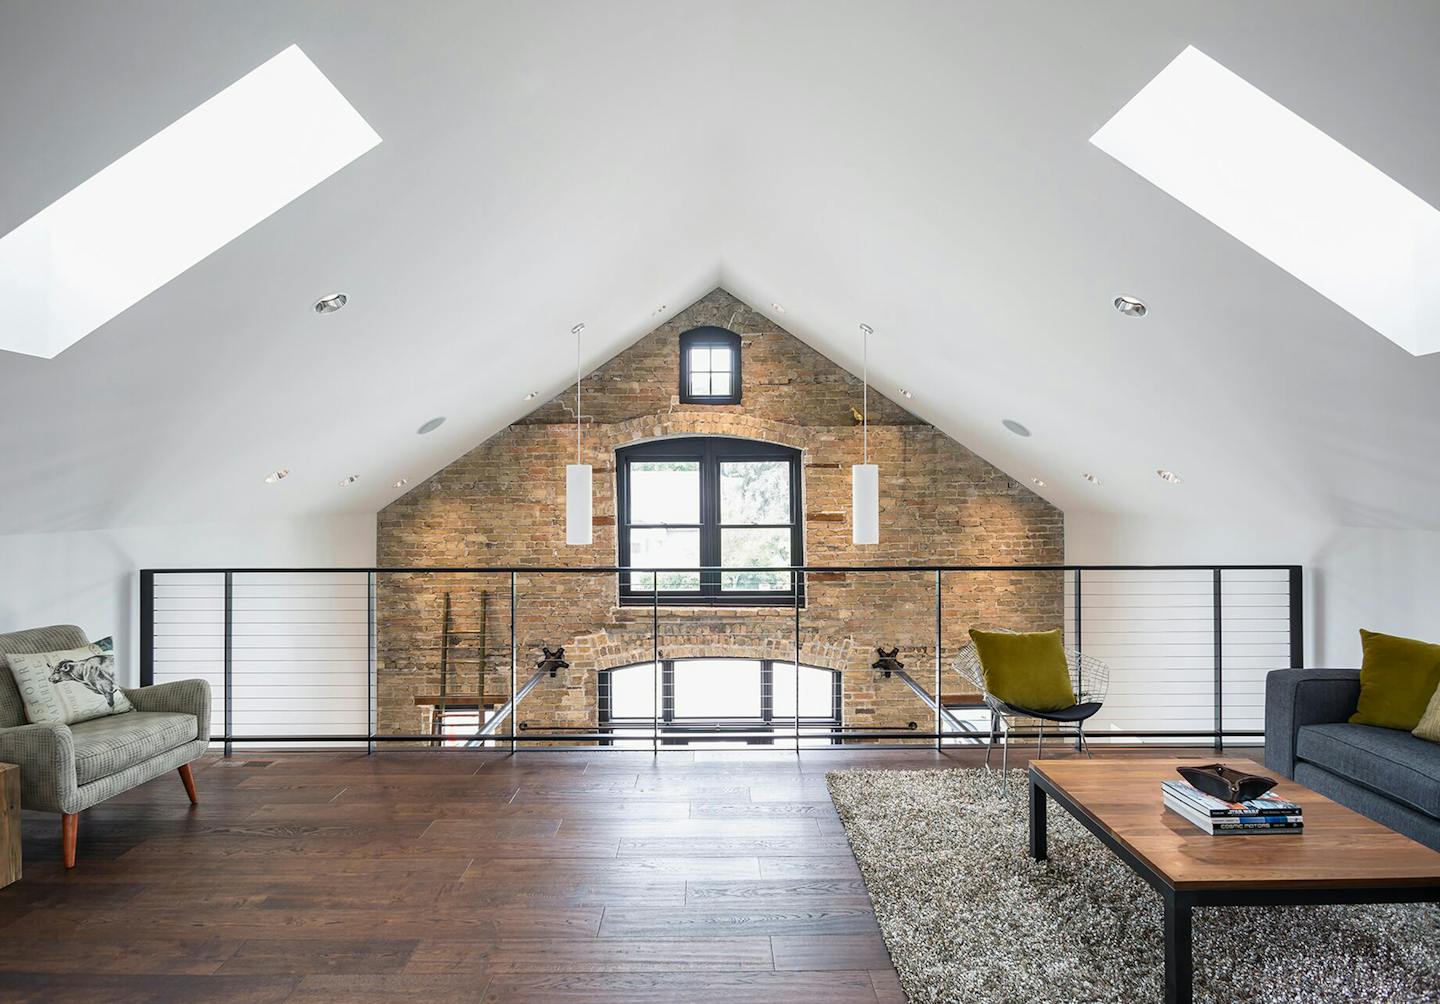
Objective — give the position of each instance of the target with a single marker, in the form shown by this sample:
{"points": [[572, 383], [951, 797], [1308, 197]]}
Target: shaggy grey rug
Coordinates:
{"points": [[967, 916]]}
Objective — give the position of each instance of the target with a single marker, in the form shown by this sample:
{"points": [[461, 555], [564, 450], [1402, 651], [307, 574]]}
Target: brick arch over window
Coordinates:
{"points": [[607, 650], [681, 421]]}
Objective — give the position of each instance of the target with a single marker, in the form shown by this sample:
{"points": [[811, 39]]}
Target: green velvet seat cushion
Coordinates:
{"points": [[1397, 678], [1025, 670]]}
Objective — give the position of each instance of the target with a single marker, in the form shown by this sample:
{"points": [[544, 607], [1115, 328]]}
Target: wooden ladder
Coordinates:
{"points": [[450, 639]]}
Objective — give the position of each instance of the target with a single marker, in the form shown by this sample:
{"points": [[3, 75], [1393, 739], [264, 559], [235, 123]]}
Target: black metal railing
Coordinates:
{"points": [[1251, 615]]}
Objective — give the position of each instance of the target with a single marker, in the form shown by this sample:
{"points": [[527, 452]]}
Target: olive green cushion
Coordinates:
{"points": [[1397, 678], [1429, 727], [1025, 670]]}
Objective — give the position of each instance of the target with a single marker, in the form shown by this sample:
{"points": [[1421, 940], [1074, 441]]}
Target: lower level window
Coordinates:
{"points": [[753, 701]]}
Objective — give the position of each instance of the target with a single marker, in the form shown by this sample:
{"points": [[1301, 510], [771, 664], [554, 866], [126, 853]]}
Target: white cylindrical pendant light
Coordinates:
{"points": [[865, 477], [865, 503], [579, 526]]}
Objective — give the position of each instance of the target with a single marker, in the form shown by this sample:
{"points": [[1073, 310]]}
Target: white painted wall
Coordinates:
{"points": [[1155, 631], [1383, 580], [90, 578], [301, 648]]}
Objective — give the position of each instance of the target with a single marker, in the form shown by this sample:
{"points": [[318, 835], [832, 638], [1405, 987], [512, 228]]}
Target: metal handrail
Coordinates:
{"points": [[617, 569], [846, 733], [505, 710], [955, 723], [946, 725]]}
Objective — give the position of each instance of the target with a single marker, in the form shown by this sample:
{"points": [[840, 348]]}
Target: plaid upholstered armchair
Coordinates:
{"points": [[68, 768]]}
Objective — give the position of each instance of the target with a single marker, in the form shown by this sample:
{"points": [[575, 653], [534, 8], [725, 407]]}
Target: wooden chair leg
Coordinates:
{"points": [[189, 780], [69, 833]]}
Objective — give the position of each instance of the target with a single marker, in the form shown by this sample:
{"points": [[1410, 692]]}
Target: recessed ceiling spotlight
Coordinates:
{"points": [[1016, 428], [347, 482], [1131, 307], [777, 308], [1091, 478], [402, 482], [907, 395], [1168, 476], [1037, 482], [430, 426], [279, 475], [330, 304], [532, 395]]}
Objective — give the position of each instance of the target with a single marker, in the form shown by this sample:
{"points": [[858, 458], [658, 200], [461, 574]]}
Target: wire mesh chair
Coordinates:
{"points": [[1089, 677]]}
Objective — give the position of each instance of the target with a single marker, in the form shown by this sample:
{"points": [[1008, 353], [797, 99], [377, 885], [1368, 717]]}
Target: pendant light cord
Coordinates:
{"points": [[577, 329], [865, 393]]}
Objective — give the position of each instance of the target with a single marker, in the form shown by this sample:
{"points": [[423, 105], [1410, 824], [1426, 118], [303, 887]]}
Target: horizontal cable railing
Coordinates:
{"points": [[351, 657]]}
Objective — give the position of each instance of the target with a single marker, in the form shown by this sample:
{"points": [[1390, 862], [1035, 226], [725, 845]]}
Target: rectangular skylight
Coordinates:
{"points": [[1276, 183], [176, 198]]}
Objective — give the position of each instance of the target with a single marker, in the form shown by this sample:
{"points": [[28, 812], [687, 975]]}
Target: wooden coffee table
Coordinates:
{"points": [[1342, 857]]}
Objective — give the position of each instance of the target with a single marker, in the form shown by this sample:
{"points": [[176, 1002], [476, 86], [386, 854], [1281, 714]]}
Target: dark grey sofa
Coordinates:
{"points": [[1389, 775]]}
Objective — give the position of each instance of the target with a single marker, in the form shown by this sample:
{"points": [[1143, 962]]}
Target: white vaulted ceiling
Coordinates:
{"points": [[923, 167]]}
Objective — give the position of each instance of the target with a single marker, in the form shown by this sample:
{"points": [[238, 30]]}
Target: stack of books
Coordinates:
{"points": [[1221, 818]]}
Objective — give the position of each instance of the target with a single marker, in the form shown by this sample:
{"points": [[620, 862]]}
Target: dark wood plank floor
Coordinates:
{"points": [[551, 876]]}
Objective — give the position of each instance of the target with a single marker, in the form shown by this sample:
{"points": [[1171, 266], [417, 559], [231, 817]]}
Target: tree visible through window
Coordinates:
{"points": [[755, 522], [728, 504]]}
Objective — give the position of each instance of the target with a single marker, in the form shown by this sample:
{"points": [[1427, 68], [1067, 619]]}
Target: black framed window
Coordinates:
{"points": [[709, 366], [713, 503]]}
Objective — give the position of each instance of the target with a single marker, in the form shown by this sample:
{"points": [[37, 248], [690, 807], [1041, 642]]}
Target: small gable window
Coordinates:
{"points": [[709, 366]]}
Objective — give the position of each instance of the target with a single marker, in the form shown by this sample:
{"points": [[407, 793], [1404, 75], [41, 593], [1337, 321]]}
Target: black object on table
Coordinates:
{"points": [[1226, 783]]}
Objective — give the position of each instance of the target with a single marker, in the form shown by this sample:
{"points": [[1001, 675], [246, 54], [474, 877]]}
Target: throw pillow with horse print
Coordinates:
{"points": [[70, 686]]}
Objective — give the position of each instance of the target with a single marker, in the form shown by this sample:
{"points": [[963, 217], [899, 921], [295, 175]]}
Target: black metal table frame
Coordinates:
{"points": [[1179, 964]]}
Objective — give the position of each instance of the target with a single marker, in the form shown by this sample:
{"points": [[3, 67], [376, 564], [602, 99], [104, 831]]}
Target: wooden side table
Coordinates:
{"points": [[9, 824]]}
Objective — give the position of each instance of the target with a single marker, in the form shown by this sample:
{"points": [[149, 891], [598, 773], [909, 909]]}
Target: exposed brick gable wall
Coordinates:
{"points": [[503, 503]]}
